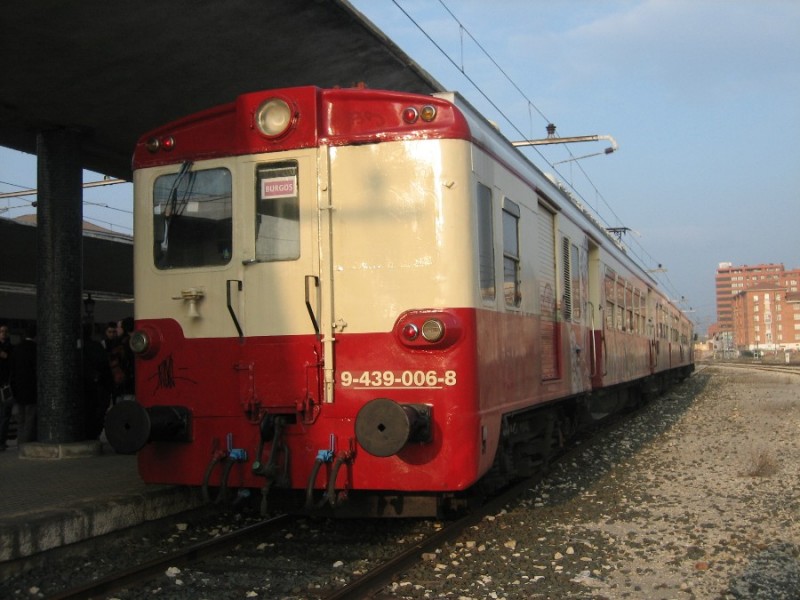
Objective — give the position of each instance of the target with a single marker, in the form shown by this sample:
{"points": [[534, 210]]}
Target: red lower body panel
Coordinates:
{"points": [[234, 390]]}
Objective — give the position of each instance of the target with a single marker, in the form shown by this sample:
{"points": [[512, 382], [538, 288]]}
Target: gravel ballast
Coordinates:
{"points": [[697, 497]]}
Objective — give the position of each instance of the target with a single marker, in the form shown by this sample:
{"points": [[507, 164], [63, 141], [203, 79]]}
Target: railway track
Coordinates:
{"points": [[368, 585], [145, 571], [773, 368], [381, 576], [376, 575], [374, 579], [361, 587]]}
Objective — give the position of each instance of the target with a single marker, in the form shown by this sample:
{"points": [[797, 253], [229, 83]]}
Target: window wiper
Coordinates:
{"points": [[173, 207]]}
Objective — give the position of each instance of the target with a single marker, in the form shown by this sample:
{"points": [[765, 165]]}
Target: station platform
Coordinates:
{"points": [[52, 495]]}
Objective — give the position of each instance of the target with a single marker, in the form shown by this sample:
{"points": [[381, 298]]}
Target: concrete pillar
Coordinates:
{"points": [[59, 213]]}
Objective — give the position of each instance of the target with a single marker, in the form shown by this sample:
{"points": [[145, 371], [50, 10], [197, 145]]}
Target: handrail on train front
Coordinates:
{"points": [[315, 281], [230, 306]]}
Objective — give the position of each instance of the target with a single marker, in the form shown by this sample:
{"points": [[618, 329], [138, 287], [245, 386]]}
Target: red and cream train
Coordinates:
{"points": [[368, 301]]}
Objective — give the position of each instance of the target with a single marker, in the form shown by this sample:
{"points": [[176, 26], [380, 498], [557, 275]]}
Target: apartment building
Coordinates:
{"points": [[730, 280], [766, 314]]}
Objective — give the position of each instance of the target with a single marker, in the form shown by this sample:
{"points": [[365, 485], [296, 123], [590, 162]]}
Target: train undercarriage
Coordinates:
{"points": [[530, 439]]}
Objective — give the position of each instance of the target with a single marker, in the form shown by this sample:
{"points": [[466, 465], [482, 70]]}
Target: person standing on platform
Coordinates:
{"points": [[122, 363], [6, 395], [96, 384], [110, 336], [23, 382]]}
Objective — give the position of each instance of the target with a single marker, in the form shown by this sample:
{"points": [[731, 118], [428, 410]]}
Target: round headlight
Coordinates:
{"points": [[140, 342], [152, 145], [274, 117], [433, 330]]}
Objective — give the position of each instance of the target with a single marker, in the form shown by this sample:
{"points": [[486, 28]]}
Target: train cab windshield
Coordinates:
{"points": [[192, 224]]}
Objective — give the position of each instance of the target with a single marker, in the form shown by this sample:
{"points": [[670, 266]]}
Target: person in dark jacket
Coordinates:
{"points": [[23, 382], [121, 361], [6, 395], [109, 336], [97, 384]]}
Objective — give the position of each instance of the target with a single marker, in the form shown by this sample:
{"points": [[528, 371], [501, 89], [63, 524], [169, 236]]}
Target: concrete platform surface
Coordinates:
{"points": [[55, 495]]}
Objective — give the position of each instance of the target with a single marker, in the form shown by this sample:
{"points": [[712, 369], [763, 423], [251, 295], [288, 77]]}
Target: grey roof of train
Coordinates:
{"points": [[116, 70]]}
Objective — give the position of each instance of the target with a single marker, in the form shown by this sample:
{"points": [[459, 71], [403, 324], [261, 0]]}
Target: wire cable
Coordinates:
{"points": [[664, 280]]}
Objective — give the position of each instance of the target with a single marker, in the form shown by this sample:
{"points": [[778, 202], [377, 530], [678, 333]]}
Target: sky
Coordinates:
{"points": [[701, 96]]}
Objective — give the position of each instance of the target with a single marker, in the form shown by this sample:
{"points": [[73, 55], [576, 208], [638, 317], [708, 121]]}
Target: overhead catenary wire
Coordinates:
{"points": [[494, 105], [22, 187], [28, 191], [459, 65]]}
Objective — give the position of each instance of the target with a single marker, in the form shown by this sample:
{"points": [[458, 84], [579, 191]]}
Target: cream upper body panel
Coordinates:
{"points": [[402, 230], [266, 297], [383, 228]]}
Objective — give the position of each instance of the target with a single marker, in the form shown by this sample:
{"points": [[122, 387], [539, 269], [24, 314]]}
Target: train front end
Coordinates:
{"points": [[302, 314]]}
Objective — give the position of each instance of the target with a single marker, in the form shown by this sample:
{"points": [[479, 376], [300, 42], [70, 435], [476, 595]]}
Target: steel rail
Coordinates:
{"points": [[790, 369], [375, 580], [148, 570], [382, 575]]}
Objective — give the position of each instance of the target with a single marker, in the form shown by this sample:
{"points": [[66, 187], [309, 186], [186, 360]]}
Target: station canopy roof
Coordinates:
{"points": [[115, 70]]}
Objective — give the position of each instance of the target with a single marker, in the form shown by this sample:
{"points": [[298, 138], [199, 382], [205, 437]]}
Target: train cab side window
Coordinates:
{"points": [[277, 212], [192, 225], [511, 288], [486, 243]]}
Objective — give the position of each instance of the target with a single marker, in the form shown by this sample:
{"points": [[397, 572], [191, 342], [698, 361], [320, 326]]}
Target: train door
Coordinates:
{"points": [[653, 328], [546, 270], [574, 302], [275, 303]]}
